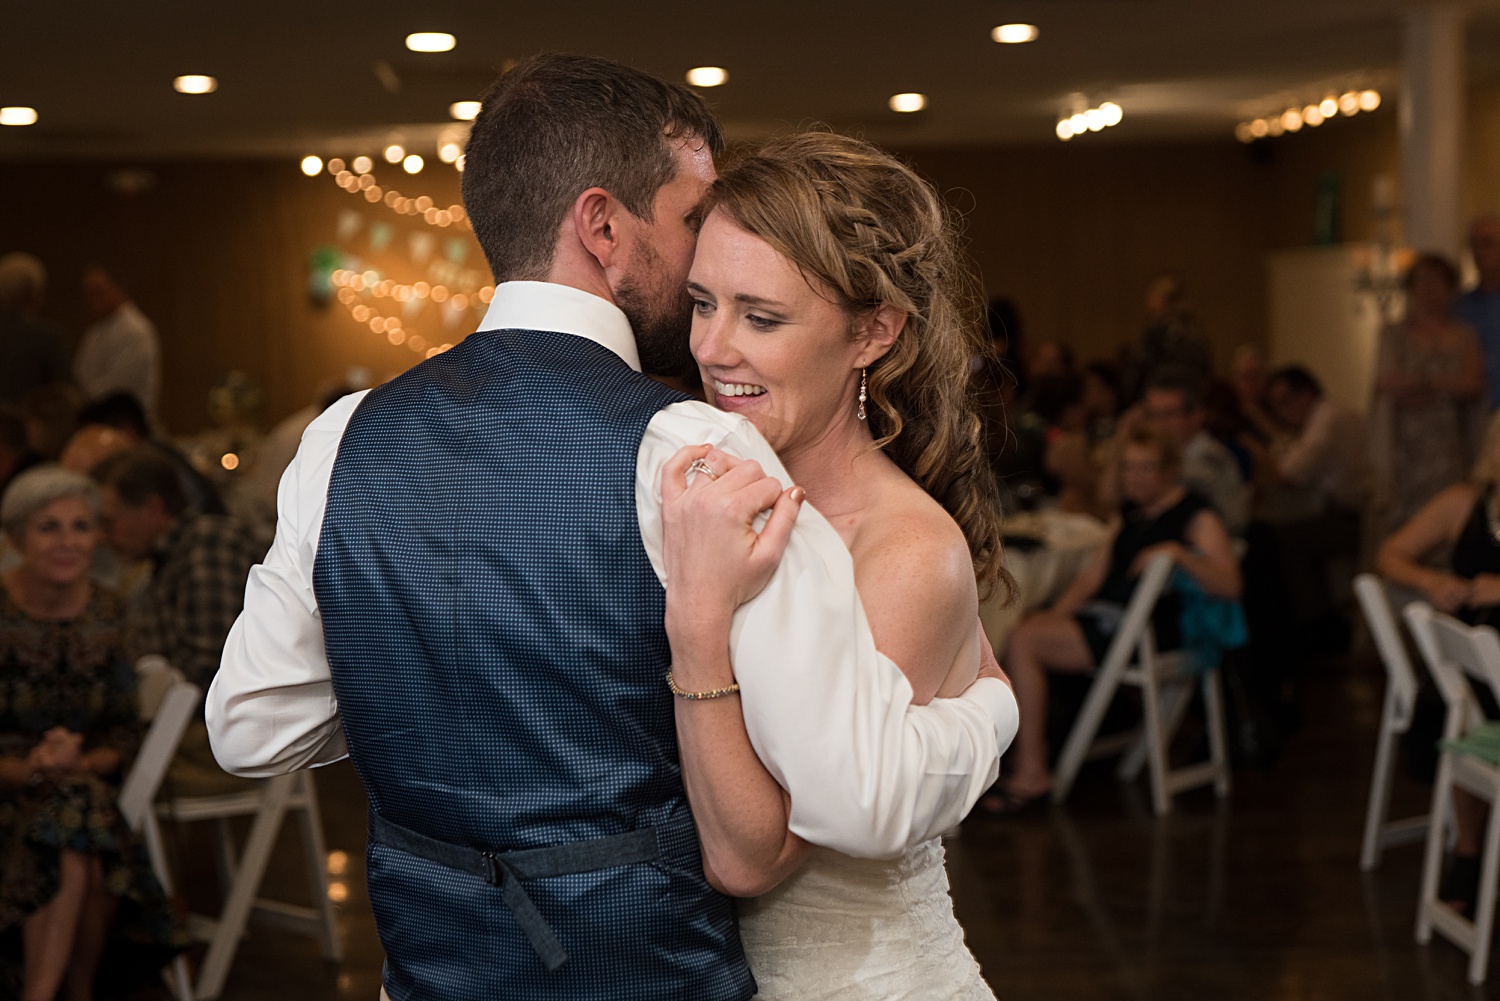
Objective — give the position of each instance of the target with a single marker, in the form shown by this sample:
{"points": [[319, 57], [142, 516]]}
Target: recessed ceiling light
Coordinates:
{"points": [[908, 102], [430, 41], [312, 166], [1015, 34], [707, 76], [17, 116], [464, 111], [195, 83]]}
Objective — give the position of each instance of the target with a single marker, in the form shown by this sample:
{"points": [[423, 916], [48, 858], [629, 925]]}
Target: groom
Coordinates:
{"points": [[464, 596]]}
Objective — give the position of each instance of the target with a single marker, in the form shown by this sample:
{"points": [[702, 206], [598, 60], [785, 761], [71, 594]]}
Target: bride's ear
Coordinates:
{"points": [[883, 325]]}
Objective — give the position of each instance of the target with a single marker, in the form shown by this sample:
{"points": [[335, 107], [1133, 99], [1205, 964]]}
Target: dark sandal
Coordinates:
{"points": [[1002, 802], [1460, 886]]}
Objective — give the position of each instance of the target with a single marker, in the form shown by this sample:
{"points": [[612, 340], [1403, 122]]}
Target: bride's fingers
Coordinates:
{"points": [[773, 538], [674, 472]]}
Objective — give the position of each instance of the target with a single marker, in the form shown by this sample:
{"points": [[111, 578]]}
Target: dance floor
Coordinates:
{"points": [[1259, 897]]}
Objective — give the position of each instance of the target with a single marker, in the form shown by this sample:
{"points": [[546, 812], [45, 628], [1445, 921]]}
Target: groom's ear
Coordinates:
{"points": [[593, 217], [882, 326]]}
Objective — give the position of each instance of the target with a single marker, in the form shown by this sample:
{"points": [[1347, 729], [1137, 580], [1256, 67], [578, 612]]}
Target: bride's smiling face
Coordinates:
{"points": [[768, 344]]}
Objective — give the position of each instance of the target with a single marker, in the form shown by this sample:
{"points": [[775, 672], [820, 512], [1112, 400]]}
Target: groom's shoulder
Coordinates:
{"points": [[693, 422]]}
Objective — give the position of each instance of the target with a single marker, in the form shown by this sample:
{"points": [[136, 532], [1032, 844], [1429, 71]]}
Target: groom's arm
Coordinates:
{"points": [[271, 707], [868, 772]]}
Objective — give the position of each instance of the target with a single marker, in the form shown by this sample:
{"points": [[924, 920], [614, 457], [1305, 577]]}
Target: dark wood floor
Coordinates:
{"points": [[1258, 897]]}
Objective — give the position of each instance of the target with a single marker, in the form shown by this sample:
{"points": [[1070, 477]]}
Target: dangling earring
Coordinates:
{"points": [[860, 413]]}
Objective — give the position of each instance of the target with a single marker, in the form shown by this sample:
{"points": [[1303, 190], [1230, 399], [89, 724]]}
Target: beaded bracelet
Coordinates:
{"points": [[717, 693]]}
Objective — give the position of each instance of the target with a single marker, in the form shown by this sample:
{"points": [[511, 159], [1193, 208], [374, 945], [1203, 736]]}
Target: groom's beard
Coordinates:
{"points": [[661, 316]]}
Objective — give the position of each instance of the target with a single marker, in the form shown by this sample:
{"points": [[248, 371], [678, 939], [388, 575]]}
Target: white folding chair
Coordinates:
{"points": [[1460, 650], [1395, 719], [268, 803], [1166, 692], [170, 703]]}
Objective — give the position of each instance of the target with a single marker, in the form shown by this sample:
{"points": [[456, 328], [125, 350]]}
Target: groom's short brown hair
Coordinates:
{"points": [[555, 126]]}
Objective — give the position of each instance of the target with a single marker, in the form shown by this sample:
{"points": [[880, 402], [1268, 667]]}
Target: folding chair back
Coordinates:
{"points": [[1395, 719], [1457, 651], [1400, 676], [1132, 659], [172, 703]]}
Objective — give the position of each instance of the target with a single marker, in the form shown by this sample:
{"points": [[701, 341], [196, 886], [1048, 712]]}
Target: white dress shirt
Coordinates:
{"points": [[120, 353], [869, 773]]}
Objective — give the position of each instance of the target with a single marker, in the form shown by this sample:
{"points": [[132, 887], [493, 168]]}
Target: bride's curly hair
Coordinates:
{"points": [[866, 231]]}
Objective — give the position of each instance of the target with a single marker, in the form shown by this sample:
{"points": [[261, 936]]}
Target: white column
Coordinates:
{"points": [[1432, 115]]}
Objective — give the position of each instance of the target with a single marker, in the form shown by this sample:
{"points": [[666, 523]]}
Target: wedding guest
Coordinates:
{"points": [[1101, 400], [195, 592], [1480, 306], [1172, 338], [68, 728], [1317, 485], [1430, 377], [1048, 359], [1158, 515], [1247, 375], [1173, 401], [32, 353], [117, 423], [16, 455], [1462, 522], [120, 351], [51, 413]]}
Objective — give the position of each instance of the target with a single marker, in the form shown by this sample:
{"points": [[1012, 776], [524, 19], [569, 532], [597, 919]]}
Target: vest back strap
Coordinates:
{"points": [[507, 869]]}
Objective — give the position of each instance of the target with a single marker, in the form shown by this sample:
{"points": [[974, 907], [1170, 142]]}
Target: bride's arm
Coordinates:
{"points": [[740, 811]]}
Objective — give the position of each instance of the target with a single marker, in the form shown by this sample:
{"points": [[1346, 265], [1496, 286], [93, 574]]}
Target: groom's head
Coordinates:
{"points": [[580, 162]]}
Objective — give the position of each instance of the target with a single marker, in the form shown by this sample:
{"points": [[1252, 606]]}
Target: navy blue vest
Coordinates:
{"points": [[495, 633]]}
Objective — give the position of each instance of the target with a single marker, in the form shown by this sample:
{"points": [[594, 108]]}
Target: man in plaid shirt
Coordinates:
{"points": [[197, 586]]}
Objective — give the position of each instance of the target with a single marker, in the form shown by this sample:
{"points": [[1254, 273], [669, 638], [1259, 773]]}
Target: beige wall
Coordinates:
{"points": [[218, 252]]}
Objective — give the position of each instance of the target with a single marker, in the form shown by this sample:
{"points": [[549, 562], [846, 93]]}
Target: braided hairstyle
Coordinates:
{"points": [[866, 231]]}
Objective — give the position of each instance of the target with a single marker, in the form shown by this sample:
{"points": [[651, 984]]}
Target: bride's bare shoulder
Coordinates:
{"points": [[916, 580]]}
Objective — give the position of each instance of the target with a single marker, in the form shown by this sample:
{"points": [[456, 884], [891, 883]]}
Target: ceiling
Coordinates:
{"points": [[305, 76]]}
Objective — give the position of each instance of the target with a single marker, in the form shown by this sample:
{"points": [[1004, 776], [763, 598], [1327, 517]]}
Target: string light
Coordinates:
{"points": [[1097, 119], [362, 165], [1315, 113], [907, 103], [421, 206]]}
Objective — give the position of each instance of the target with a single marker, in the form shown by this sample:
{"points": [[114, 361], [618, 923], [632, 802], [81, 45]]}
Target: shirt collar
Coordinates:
{"points": [[564, 309]]}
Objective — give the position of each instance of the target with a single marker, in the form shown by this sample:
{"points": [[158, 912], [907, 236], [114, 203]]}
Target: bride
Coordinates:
{"points": [[832, 309]]}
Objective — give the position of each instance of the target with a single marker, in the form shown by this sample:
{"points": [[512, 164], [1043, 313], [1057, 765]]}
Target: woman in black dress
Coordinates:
{"points": [[1158, 515], [1464, 522], [68, 728]]}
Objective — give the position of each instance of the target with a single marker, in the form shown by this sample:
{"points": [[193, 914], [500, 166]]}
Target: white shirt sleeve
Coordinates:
{"points": [[271, 707], [869, 773]]}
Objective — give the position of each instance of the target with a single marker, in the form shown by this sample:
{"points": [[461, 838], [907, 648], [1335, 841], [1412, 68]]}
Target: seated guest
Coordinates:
{"points": [[1158, 515], [1173, 402], [196, 590], [1463, 522], [31, 352], [1247, 376], [51, 413], [1319, 485], [68, 728], [118, 422], [1059, 411], [1101, 400], [16, 455]]}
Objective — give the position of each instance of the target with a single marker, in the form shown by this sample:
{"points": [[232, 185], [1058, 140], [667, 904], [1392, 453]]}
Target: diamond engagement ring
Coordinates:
{"points": [[699, 466]]}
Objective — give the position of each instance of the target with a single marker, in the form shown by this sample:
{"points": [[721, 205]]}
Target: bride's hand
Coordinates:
{"points": [[715, 559]]}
